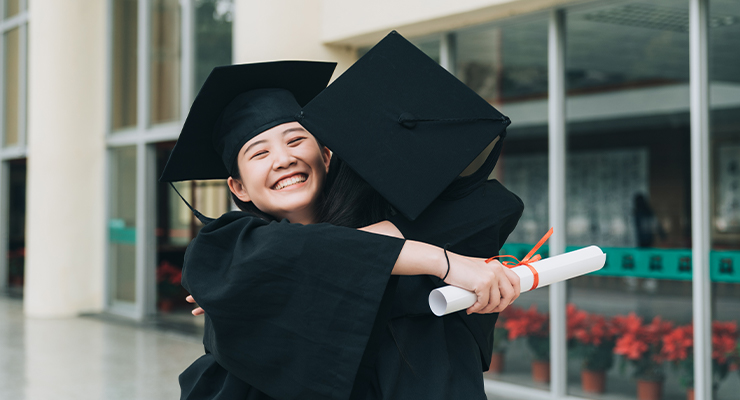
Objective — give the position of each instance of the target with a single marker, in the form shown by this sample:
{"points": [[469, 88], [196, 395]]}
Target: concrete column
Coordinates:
{"points": [[284, 30], [65, 235]]}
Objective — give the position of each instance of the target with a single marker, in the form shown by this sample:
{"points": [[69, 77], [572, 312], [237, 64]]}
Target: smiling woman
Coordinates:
{"points": [[282, 173], [299, 308]]}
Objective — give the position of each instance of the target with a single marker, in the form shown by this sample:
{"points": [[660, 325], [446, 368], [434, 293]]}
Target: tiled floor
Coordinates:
{"points": [[88, 358]]}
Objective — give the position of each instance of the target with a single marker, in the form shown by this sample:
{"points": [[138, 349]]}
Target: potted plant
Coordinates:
{"points": [[592, 337], [168, 285], [501, 339], [678, 347], [535, 327], [641, 345]]}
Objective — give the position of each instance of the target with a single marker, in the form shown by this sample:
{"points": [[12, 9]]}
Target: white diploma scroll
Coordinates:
{"points": [[449, 299]]}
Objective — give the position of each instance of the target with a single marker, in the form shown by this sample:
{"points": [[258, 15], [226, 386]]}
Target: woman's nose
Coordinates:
{"points": [[283, 158]]}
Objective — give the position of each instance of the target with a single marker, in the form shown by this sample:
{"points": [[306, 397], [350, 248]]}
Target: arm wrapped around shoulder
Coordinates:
{"points": [[291, 307]]}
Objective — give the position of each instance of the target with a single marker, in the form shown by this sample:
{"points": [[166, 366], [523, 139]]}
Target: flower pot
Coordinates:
{"points": [[541, 371], [593, 381], [649, 390], [497, 363], [690, 394]]}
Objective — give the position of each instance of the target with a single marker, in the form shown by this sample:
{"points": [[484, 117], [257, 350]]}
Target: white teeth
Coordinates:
{"points": [[289, 181]]}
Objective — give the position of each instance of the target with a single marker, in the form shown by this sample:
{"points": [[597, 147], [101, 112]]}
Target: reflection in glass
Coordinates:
{"points": [[724, 262], [125, 59], [122, 224], [506, 64], [176, 227], [165, 61], [12, 8], [429, 46], [628, 189], [16, 224], [212, 37], [12, 85]]}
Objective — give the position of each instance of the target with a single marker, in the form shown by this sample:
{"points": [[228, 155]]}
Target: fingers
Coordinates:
{"points": [[483, 296], [507, 295], [196, 311], [515, 282], [494, 301]]}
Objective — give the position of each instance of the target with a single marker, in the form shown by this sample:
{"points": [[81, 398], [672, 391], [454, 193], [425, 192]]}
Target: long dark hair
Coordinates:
{"points": [[349, 200], [346, 199]]}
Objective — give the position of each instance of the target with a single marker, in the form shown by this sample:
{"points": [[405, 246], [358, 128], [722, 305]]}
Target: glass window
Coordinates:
{"points": [[164, 92], [212, 37], [12, 8], [17, 224], [628, 191], [724, 262], [11, 40], [125, 59], [176, 227], [122, 224], [430, 46], [506, 64]]}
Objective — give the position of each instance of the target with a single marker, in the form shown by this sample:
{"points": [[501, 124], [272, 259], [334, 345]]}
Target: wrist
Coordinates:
{"points": [[443, 264]]}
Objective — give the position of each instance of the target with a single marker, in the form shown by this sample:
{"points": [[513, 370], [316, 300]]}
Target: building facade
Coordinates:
{"points": [[625, 133]]}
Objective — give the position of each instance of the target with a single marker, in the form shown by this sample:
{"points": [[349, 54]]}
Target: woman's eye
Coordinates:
{"points": [[258, 154], [296, 140]]}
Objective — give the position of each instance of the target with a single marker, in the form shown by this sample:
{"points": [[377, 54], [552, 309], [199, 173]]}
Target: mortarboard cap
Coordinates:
{"points": [[236, 103], [403, 123]]}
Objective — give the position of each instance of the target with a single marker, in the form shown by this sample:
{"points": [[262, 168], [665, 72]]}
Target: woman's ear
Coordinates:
{"points": [[326, 156], [237, 187]]}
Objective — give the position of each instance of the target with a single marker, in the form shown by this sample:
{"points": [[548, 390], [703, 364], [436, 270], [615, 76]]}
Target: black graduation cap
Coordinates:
{"points": [[236, 103], [403, 123]]}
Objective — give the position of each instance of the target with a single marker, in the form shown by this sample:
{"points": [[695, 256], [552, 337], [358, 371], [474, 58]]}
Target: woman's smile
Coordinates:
{"points": [[291, 181]]}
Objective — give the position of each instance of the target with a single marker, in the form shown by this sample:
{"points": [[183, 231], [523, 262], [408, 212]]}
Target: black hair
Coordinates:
{"points": [[346, 200], [349, 200]]}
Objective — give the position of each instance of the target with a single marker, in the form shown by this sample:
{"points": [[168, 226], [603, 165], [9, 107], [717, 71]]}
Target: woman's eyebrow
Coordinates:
{"points": [[253, 144], [293, 129]]}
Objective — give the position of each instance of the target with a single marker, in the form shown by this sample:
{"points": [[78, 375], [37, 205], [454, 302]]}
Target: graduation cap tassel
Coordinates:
{"points": [[202, 218]]}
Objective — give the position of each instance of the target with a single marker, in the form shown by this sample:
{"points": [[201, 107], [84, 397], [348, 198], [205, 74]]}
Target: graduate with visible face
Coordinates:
{"points": [[293, 307]]}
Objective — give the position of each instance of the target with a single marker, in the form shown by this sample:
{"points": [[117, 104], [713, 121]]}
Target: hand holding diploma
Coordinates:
{"points": [[533, 273]]}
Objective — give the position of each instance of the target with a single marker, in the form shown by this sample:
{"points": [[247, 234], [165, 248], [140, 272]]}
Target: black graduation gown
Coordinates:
{"points": [[434, 357], [417, 354], [289, 307]]}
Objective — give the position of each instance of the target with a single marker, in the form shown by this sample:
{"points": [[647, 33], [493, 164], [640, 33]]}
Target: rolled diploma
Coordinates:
{"points": [[449, 299]]}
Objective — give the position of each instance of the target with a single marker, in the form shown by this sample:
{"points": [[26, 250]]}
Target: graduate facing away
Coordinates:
{"points": [[312, 291]]}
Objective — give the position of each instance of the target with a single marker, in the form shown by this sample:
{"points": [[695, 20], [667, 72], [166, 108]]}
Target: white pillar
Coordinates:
{"points": [[700, 188], [65, 233], [557, 172], [283, 30]]}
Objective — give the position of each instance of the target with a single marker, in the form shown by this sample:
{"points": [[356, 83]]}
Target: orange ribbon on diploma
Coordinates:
{"points": [[529, 258]]}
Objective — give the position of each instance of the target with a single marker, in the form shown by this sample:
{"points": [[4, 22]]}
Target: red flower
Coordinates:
{"points": [[527, 323], [169, 272], [631, 347], [724, 340], [678, 343]]}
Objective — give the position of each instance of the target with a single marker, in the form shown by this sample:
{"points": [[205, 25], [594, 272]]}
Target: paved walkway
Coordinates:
{"points": [[88, 358]]}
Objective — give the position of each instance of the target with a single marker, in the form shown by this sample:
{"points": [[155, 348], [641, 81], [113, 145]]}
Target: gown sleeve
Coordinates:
{"points": [[290, 307]]}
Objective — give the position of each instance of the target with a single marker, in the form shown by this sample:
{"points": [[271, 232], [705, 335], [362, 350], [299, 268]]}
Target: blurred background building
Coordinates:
{"points": [[625, 134]]}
